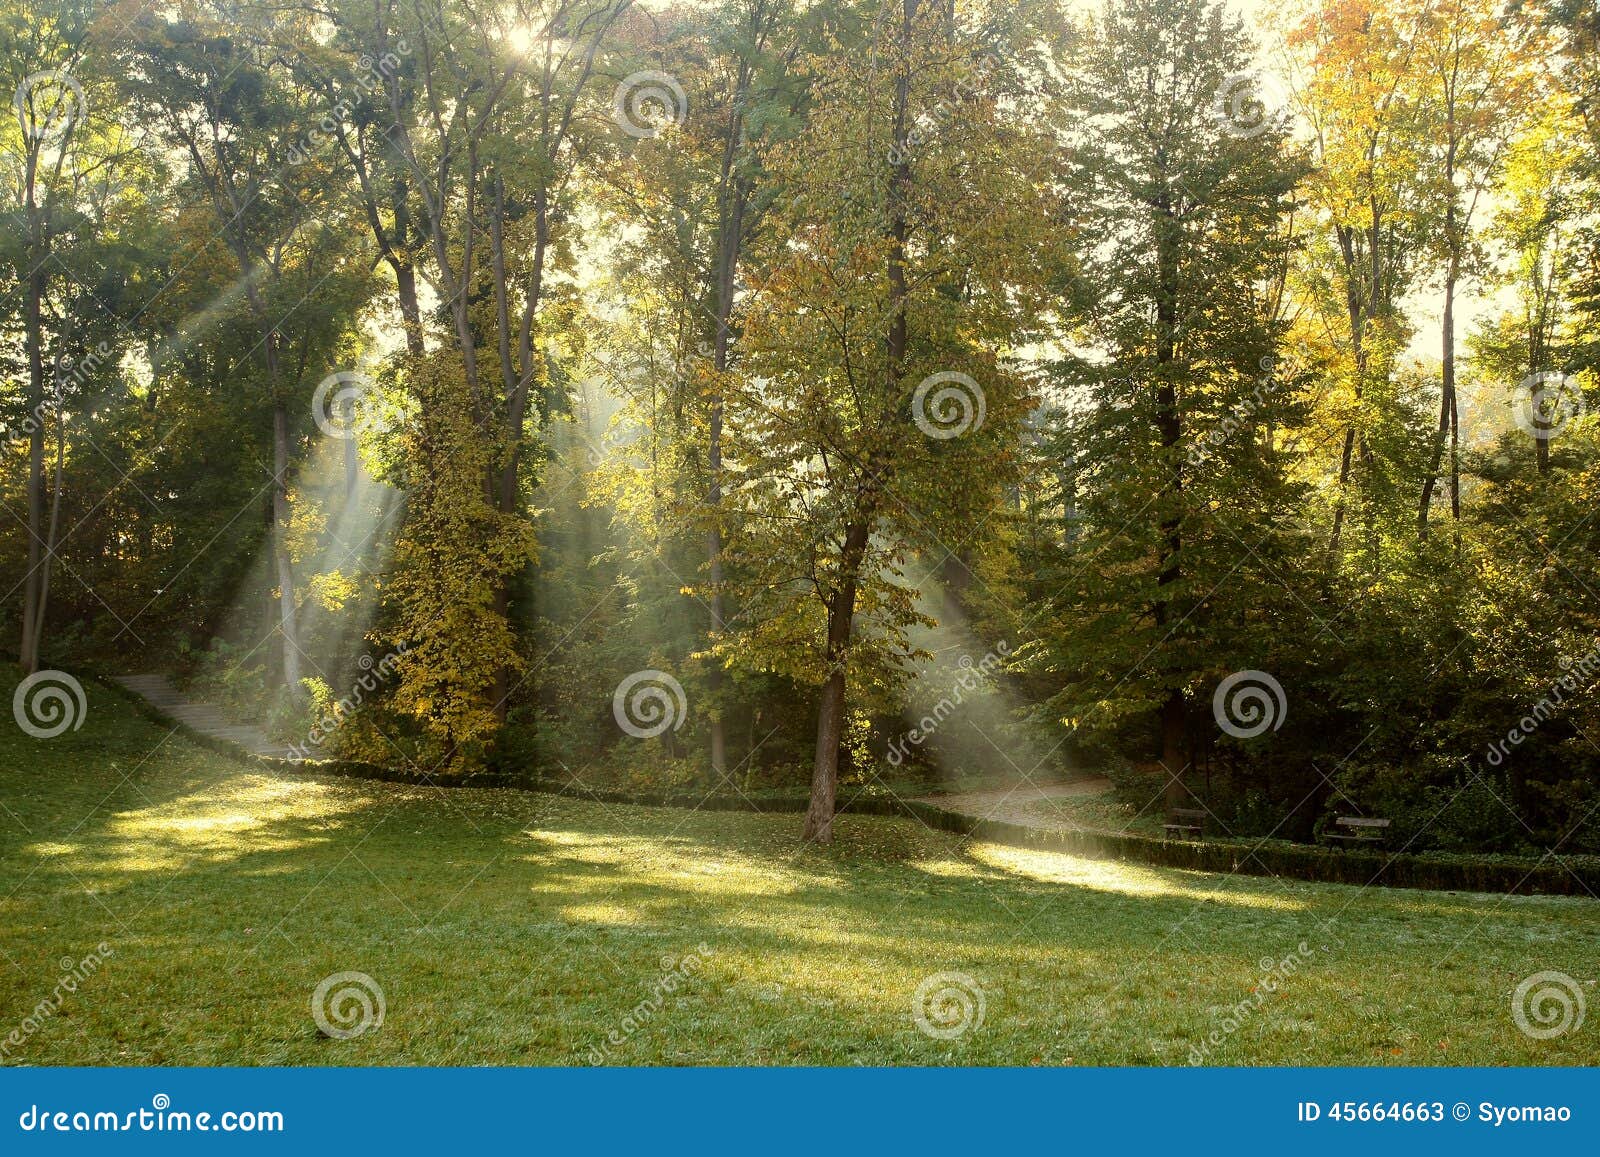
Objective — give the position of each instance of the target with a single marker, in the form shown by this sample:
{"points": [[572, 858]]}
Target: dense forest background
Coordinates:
{"points": [[775, 394]]}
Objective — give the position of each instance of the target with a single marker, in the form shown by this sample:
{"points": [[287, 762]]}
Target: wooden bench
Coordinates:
{"points": [[1359, 830], [1185, 822]]}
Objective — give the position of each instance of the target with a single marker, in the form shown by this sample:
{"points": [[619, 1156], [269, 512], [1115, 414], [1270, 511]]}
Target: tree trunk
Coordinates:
{"points": [[825, 770], [280, 548], [818, 826], [1448, 420], [1175, 747], [54, 530], [33, 593], [730, 230], [1541, 446], [858, 533], [1358, 357], [352, 460], [405, 276], [33, 337], [1169, 427]]}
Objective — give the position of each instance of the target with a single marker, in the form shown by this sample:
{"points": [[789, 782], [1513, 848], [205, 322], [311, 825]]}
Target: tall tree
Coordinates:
{"points": [[876, 407], [1356, 75], [210, 84], [699, 201], [492, 120], [1175, 453], [1481, 79]]}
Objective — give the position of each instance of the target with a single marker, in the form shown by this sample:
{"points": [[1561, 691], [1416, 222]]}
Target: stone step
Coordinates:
{"points": [[206, 718]]}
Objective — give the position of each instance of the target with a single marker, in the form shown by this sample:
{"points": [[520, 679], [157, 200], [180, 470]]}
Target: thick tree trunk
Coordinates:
{"points": [[818, 826], [405, 276], [825, 769]]}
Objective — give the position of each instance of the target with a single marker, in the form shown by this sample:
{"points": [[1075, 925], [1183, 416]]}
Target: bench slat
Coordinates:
{"points": [[1359, 822]]}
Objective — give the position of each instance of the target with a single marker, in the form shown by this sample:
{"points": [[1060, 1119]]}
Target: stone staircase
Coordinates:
{"points": [[202, 717]]}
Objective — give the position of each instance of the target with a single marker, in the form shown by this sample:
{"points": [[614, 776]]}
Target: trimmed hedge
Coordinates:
{"points": [[1552, 875], [1457, 873]]}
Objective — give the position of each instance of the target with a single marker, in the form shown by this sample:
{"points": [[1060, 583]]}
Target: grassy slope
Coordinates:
{"points": [[513, 928]]}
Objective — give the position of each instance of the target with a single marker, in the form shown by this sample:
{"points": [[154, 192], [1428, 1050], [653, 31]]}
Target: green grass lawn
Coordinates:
{"points": [[511, 928]]}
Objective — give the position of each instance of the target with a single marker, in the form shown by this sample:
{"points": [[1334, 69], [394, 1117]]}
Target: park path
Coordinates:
{"points": [[206, 718], [1012, 804]]}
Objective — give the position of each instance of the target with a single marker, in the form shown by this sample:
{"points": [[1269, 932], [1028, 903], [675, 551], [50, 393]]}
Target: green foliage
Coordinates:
{"points": [[450, 564], [663, 389]]}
